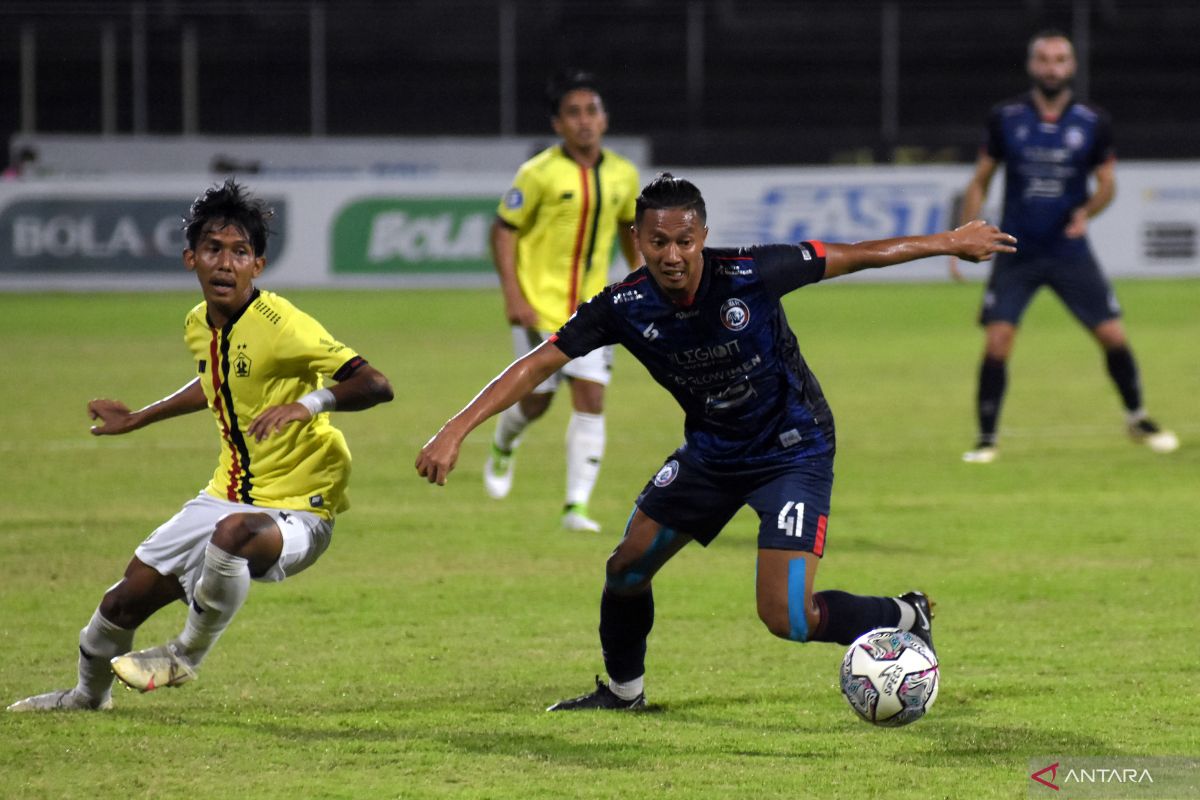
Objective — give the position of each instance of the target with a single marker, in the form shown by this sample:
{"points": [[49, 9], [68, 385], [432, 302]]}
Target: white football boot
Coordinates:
{"points": [[498, 473], [62, 700], [154, 668]]}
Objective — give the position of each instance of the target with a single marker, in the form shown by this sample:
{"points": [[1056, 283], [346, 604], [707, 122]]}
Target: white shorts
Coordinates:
{"points": [[596, 366], [177, 546]]}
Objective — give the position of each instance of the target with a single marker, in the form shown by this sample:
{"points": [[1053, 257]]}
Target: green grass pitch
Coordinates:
{"points": [[415, 660]]}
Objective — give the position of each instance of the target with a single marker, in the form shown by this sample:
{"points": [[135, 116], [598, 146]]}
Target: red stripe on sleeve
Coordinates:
{"points": [[818, 248]]}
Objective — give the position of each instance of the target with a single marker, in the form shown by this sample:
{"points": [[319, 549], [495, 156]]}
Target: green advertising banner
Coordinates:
{"points": [[94, 235], [399, 235]]}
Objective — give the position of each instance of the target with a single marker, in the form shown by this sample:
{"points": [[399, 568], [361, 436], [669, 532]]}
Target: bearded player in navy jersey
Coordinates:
{"points": [[1050, 143], [709, 327]]}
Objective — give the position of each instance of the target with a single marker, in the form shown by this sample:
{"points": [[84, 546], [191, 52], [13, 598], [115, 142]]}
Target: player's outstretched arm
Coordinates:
{"points": [[972, 200], [439, 455], [975, 241], [367, 387], [116, 418]]}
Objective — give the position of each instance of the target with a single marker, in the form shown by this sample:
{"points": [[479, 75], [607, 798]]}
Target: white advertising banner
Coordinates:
{"points": [[124, 233]]}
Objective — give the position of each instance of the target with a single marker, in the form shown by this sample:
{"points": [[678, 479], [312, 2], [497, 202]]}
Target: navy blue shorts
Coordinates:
{"points": [[1078, 282], [792, 500]]}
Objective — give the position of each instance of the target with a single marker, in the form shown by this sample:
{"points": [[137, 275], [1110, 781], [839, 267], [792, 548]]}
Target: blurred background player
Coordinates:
{"points": [[268, 512], [552, 247], [1050, 142], [758, 430]]}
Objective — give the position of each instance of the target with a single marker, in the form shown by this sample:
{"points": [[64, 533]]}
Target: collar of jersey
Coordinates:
{"points": [[237, 314]]}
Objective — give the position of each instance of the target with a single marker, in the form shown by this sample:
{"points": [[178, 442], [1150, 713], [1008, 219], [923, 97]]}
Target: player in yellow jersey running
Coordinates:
{"points": [[552, 247], [268, 511]]}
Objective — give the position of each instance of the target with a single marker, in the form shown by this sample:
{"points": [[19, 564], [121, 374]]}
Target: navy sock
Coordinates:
{"points": [[845, 616], [1124, 372], [625, 622], [993, 379]]}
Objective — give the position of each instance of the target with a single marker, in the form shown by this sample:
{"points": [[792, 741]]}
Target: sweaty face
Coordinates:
{"points": [[581, 119], [225, 264], [1051, 65], [672, 242]]}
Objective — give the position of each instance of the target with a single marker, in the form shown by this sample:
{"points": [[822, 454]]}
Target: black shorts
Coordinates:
{"points": [[1078, 282], [792, 500]]}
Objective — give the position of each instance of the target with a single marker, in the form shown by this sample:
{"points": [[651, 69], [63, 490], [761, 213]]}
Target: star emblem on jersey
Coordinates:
{"points": [[735, 314]]}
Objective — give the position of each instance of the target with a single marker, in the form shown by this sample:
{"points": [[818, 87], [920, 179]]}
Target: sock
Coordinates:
{"points": [[511, 423], [845, 616], [585, 448], [629, 690], [993, 379], [625, 622], [99, 642], [1124, 372], [220, 592]]}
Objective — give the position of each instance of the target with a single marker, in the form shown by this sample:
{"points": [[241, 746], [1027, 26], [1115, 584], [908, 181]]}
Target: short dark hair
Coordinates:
{"points": [[566, 82], [667, 191], [228, 204], [1047, 33]]}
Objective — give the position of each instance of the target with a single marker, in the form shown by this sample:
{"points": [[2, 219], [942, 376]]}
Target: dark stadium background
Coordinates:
{"points": [[707, 81]]}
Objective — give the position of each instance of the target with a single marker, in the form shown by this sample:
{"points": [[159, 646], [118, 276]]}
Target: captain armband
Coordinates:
{"points": [[318, 401]]}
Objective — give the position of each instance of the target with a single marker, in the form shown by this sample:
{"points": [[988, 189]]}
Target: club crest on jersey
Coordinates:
{"points": [[735, 314], [241, 363], [1073, 138], [513, 198], [667, 473]]}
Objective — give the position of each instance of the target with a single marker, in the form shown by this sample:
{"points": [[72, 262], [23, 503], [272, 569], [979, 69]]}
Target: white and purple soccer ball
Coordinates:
{"points": [[890, 677]]}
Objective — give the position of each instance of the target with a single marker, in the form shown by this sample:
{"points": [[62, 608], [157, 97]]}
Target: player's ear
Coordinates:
{"points": [[260, 263], [189, 259]]}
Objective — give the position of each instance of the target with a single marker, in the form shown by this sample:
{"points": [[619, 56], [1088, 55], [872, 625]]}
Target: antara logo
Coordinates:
{"points": [[1053, 770]]}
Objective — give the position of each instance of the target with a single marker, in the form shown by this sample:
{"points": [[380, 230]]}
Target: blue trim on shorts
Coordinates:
{"points": [[797, 569]]}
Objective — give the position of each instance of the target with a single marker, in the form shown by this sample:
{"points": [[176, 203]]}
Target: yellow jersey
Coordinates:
{"points": [[271, 353], [566, 217]]}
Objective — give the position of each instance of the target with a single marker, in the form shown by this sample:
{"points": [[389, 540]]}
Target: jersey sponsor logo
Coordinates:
{"points": [[203, 365], [667, 474], [627, 296], [650, 332], [513, 198], [699, 356], [790, 437], [316, 501], [733, 269], [688, 314], [735, 315]]}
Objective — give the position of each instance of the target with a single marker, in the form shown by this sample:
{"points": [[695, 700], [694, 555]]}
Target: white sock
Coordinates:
{"points": [[511, 423], [101, 641], [220, 592], [908, 615], [585, 449], [629, 689]]}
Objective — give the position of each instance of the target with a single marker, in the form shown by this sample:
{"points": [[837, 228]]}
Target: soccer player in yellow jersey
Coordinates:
{"points": [[269, 509], [552, 247]]}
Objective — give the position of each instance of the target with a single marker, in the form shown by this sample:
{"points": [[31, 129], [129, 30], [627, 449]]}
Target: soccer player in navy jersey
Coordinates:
{"points": [[1050, 143], [709, 327]]}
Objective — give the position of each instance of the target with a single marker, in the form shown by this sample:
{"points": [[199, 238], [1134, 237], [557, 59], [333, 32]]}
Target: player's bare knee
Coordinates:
{"points": [[234, 533], [786, 622], [621, 575]]}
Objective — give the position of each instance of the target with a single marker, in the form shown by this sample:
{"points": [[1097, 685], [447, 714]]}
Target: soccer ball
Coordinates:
{"points": [[890, 677]]}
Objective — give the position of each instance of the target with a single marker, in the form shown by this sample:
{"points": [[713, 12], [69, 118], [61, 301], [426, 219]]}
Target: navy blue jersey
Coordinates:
{"points": [[729, 359], [1047, 165]]}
